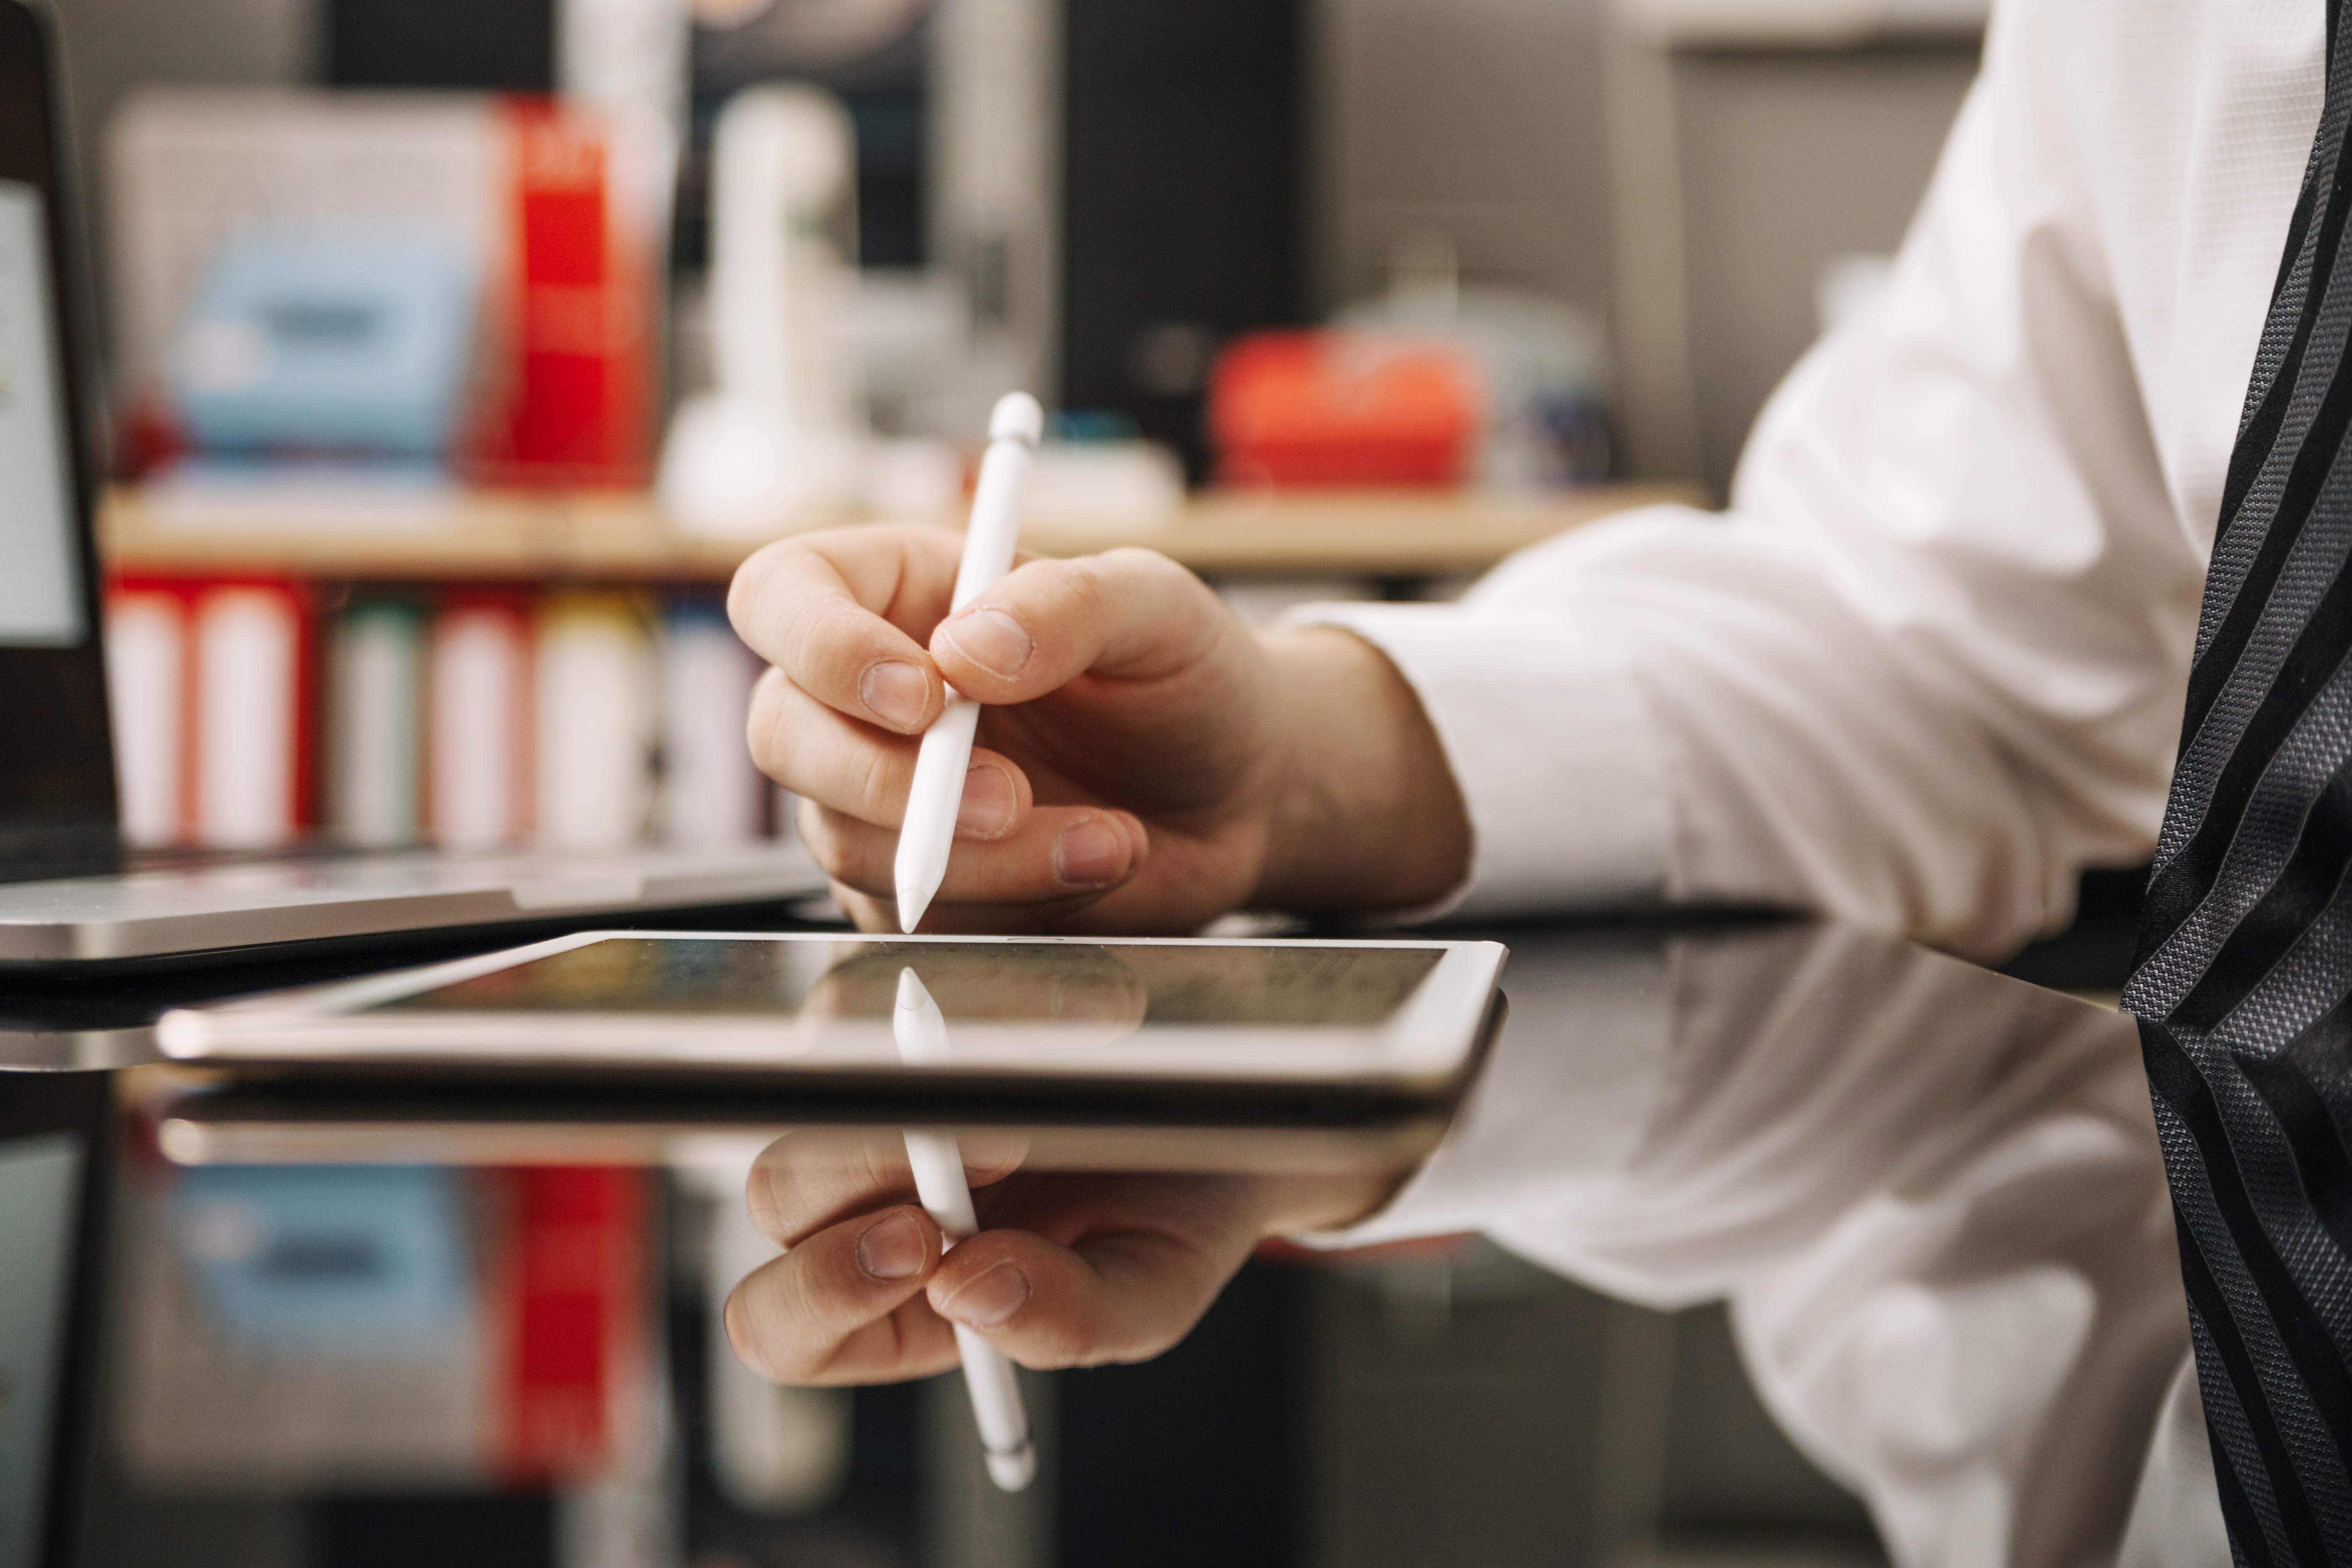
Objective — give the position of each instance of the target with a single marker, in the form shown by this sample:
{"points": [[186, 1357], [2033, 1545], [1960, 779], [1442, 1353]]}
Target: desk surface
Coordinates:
{"points": [[1932, 1195], [491, 535]]}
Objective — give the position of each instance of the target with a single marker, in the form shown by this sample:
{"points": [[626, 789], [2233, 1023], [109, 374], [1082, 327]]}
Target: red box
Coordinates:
{"points": [[1337, 409]]}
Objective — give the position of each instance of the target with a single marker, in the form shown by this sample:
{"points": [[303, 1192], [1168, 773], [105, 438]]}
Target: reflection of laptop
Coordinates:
{"points": [[54, 1138], [65, 895]]}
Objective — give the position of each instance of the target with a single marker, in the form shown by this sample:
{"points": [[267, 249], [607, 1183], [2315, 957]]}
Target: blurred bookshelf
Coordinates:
{"points": [[483, 668], [621, 538]]}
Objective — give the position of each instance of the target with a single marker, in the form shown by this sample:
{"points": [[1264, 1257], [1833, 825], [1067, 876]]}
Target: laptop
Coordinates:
{"points": [[69, 898]]}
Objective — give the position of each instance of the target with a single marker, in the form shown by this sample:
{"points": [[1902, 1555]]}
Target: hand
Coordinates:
{"points": [[1145, 762], [1067, 1270]]}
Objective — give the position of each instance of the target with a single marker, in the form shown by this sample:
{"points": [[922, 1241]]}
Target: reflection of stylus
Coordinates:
{"points": [[922, 1035]]}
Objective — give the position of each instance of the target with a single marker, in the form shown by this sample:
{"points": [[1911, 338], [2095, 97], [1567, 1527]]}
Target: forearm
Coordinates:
{"points": [[1364, 811]]}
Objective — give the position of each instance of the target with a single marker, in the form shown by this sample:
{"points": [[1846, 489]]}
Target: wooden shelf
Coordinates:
{"points": [[609, 537]]}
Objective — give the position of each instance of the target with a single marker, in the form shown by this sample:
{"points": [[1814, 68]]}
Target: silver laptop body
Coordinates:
{"points": [[241, 904]]}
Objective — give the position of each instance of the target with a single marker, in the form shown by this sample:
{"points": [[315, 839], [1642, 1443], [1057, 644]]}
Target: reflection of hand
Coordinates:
{"points": [[1067, 1270], [1145, 762], [1056, 984]]}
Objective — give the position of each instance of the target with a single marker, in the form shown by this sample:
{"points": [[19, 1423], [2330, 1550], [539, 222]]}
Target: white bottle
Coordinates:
{"points": [[775, 445]]}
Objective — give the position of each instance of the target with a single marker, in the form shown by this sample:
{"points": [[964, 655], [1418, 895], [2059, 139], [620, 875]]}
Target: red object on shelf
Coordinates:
{"points": [[147, 436], [236, 766], [573, 374], [1343, 409]]}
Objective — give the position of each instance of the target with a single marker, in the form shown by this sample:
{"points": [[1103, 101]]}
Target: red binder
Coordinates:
{"points": [[241, 754]]}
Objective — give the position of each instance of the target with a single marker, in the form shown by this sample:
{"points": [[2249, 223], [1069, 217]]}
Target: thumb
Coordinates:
{"points": [[1130, 614]]}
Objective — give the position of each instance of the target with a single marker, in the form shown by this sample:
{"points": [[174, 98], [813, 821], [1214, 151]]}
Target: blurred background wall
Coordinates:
{"points": [[1689, 197], [114, 47]]}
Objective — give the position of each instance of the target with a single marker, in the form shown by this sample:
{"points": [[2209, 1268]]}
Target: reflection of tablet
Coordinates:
{"points": [[1401, 1015]]}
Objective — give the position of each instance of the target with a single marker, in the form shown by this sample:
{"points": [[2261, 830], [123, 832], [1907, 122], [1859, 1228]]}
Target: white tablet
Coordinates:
{"points": [[1387, 1015]]}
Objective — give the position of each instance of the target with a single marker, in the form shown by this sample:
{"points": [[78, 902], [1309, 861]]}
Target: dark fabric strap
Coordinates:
{"points": [[2243, 982]]}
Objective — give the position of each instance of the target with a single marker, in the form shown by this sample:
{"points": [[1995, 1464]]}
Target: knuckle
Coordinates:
{"points": [[817, 833], [824, 649], [865, 912], [749, 586], [760, 720], [1081, 588], [804, 650], [834, 850], [878, 1174], [755, 1344], [1135, 561], [761, 1205], [1149, 576], [844, 849], [881, 797], [1053, 1343]]}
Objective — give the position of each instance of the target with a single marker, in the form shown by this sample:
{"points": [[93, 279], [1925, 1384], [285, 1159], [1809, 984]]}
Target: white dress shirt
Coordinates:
{"points": [[1932, 662], [1933, 1198]]}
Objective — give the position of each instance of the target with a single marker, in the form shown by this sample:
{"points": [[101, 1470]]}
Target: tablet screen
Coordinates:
{"points": [[1137, 984]]}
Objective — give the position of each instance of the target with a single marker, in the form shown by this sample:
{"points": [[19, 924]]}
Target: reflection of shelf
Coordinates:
{"points": [[520, 535]]}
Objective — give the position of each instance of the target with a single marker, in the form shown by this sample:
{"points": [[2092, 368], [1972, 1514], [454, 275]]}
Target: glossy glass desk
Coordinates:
{"points": [[353, 1330]]}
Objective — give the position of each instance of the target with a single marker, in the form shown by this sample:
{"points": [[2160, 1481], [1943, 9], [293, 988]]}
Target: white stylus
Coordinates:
{"points": [[1014, 428], [922, 1035]]}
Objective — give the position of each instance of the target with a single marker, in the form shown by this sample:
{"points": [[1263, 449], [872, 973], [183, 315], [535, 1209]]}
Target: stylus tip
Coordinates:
{"points": [[912, 902], [1012, 1471], [1017, 416]]}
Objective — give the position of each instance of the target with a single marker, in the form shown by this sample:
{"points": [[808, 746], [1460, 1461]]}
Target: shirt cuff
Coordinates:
{"points": [[1550, 744]]}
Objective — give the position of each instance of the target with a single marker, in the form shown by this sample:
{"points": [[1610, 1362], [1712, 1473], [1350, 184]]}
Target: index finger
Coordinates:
{"points": [[814, 1178], [1118, 1278], [841, 612]]}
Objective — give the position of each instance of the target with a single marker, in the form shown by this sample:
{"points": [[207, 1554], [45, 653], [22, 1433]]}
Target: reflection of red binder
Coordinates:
{"points": [[566, 1308], [239, 749]]}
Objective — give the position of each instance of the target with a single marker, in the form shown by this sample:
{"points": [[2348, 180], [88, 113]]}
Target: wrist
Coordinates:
{"points": [[1297, 1205], [1363, 810]]}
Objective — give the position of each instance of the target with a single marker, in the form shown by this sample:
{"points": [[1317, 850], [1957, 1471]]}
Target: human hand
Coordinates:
{"points": [[1067, 1270], [1145, 763]]}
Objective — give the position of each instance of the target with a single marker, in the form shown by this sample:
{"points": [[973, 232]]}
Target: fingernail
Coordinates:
{"points": [[892, 1250], [1089, 853], [895, 693], [991, 640], [990, 1298], [988, 801]]}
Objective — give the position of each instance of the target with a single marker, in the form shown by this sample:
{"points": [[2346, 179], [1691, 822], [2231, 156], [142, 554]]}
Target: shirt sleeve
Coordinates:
{"points": [[1930, 663], [1973, 1217]]}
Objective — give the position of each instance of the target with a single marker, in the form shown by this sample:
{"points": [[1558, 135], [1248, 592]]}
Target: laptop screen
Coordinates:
{"points": [[40, 586], [57, 769]]}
